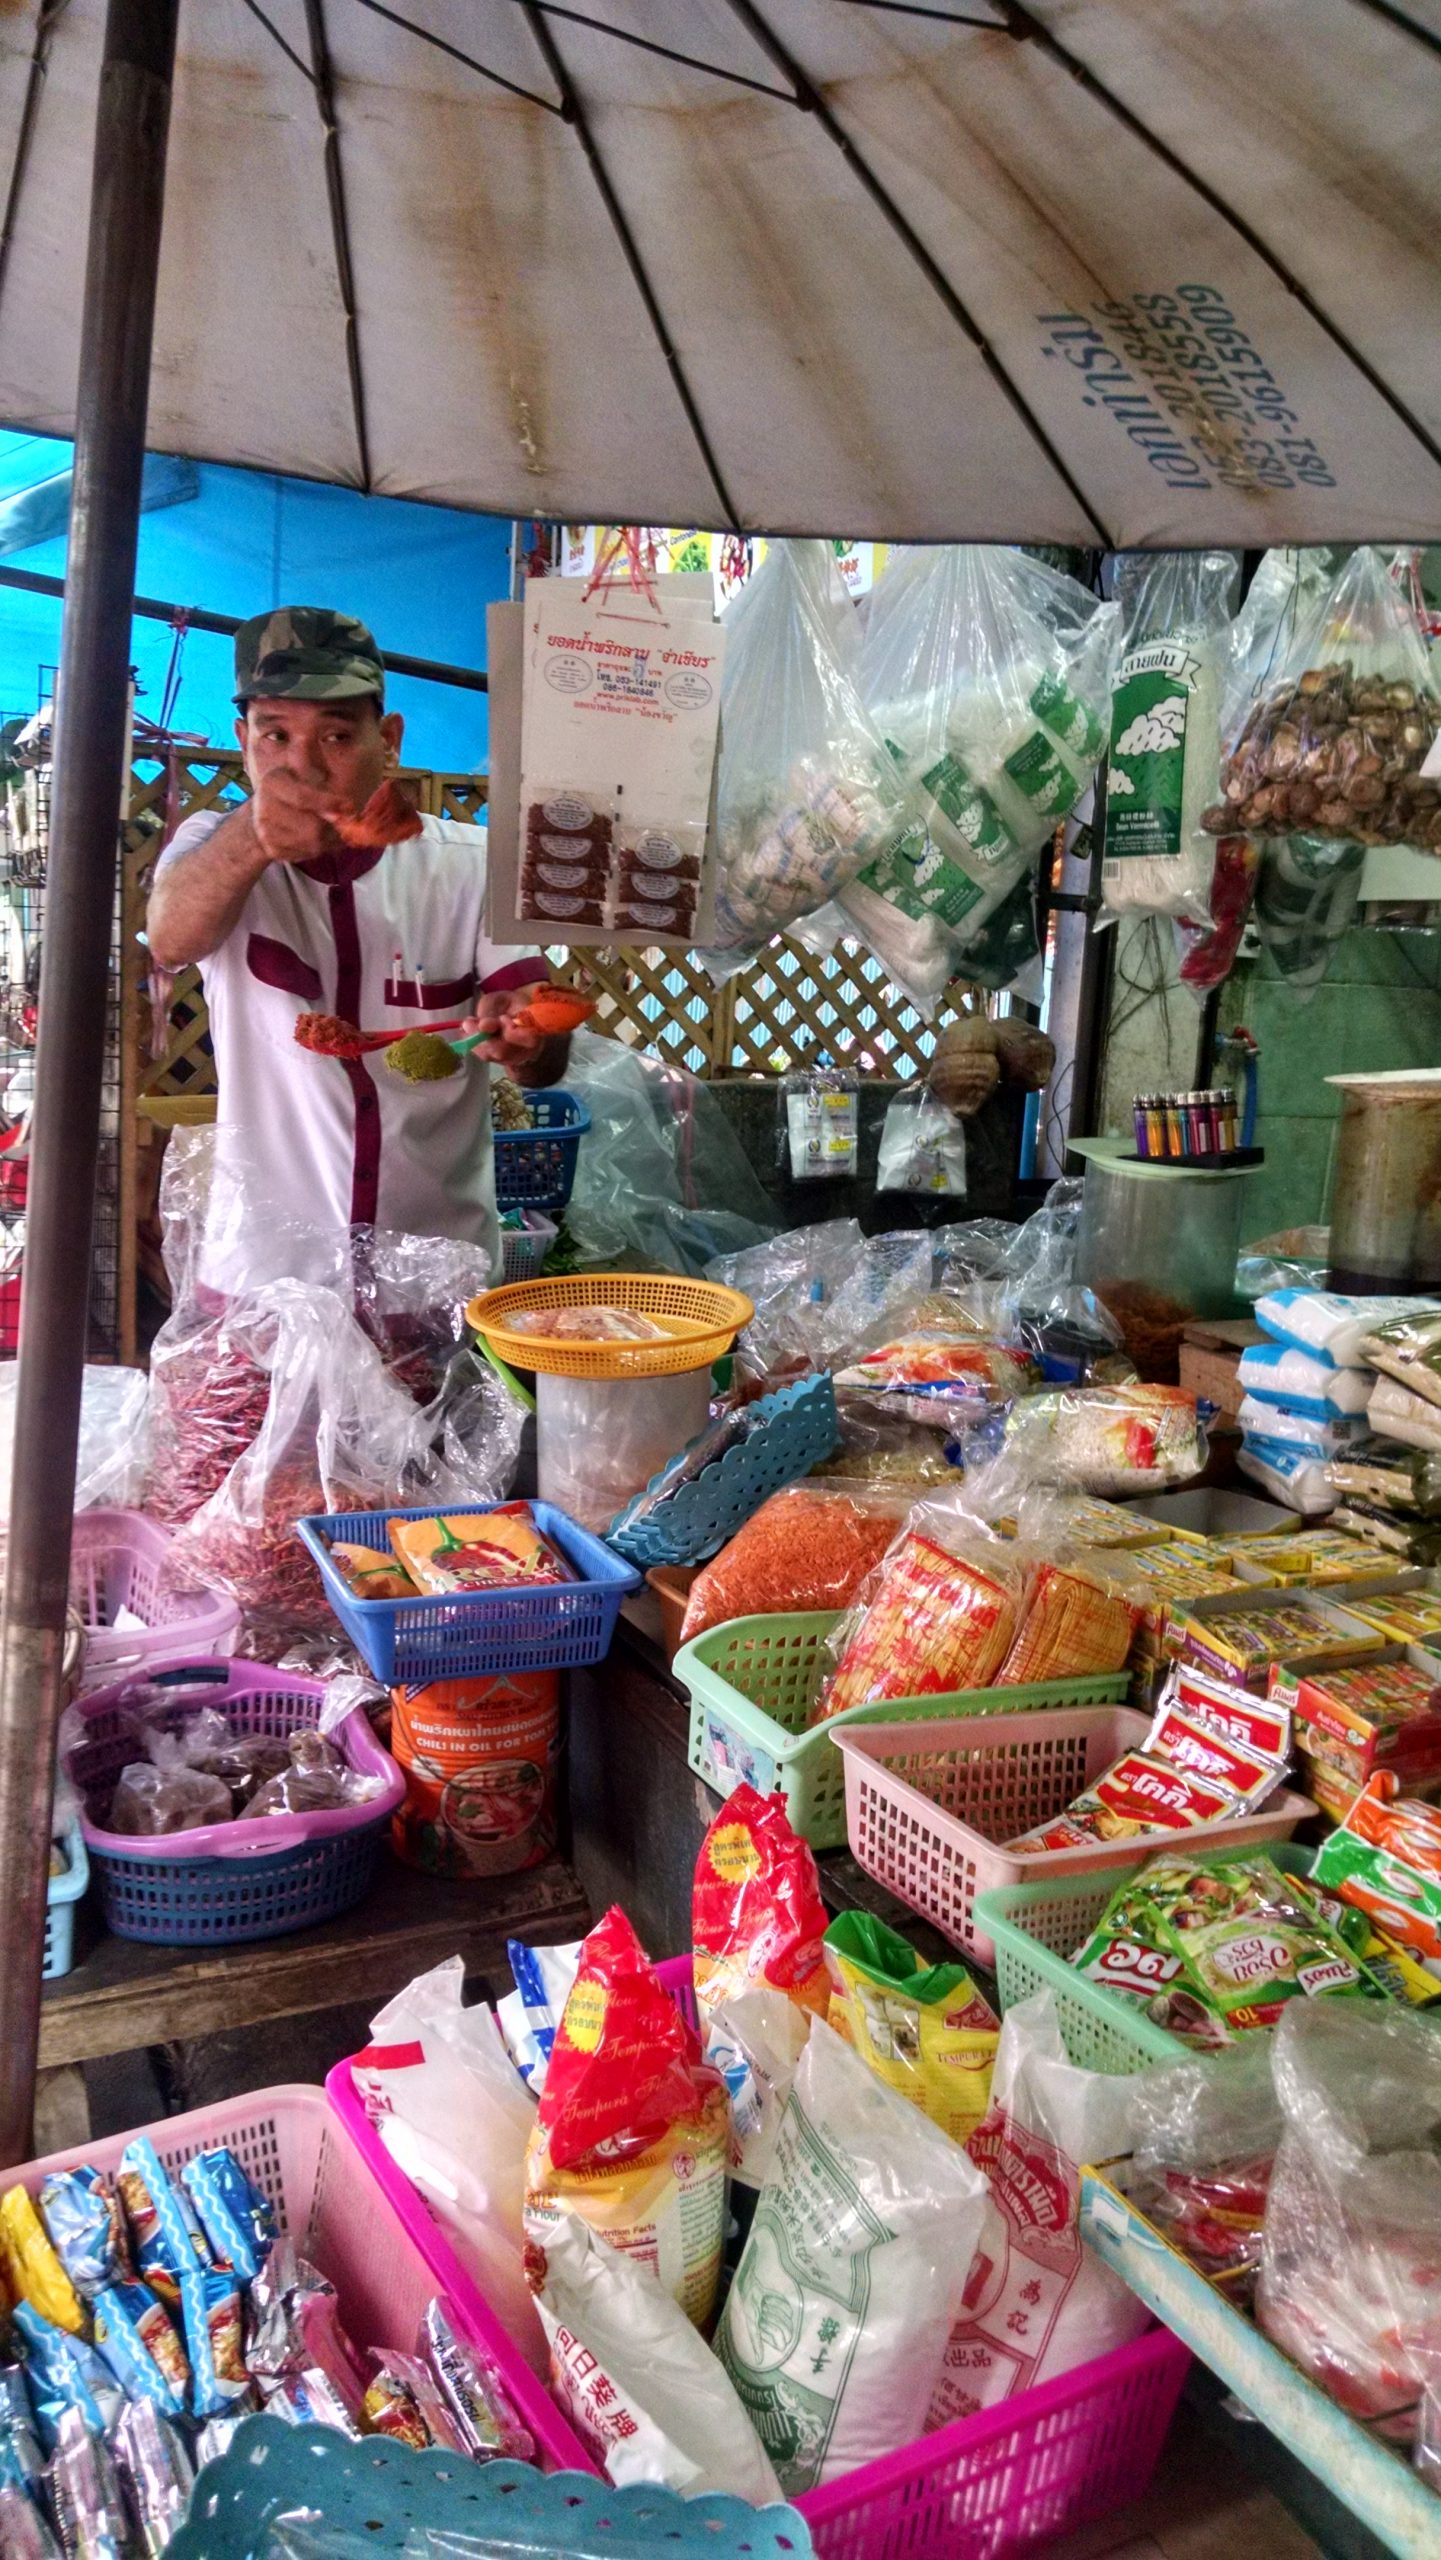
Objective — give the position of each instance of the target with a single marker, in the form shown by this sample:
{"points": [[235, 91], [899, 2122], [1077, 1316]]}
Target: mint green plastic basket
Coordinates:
{"points": [[752, 1685], [1035, 1928]]}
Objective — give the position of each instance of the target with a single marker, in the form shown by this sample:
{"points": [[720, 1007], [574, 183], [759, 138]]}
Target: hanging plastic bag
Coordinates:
{"points": [[1206, 954], [923, 1145], [806, 794], [1165, 732], [1308, 889], [987, 675]]}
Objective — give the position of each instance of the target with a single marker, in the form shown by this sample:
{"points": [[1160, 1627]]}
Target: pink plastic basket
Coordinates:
{"points": [[117, 1561], [1008, 2480], [325, 2195], [927, 1804]]}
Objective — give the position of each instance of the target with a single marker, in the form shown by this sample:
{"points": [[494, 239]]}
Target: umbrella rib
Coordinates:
{"points": [[50, 12], [324, 88], [1405, 24], [667, 52], [575, 116], [810, 97], [276, 37], [1095, 87], [531, 96]]}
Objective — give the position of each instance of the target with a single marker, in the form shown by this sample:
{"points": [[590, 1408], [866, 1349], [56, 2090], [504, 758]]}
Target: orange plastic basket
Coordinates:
{"points": [[700, 1321]]}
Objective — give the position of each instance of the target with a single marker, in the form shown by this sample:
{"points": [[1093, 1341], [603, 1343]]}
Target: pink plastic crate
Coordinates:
{"points": [[1005, 2481], [117, 1561], [325, 2195], [928, 1805]]}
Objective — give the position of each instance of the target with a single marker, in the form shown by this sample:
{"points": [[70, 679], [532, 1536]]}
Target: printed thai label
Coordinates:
{"points": [[1149, 710], [1037, 770], [1068, 717], [1028, 2259], [798, 2304], [970, 810], [915, 876]]}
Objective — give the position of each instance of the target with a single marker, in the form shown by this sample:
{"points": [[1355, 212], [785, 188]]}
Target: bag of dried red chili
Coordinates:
{"points": [[633, 2131], [809, 1547], [757, 1918]]}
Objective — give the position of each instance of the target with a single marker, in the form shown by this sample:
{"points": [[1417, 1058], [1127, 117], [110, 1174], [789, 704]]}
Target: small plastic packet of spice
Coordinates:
{"points": [[480, 2407], [149, 1803], [138, 2340], [85, 2494], [167, 2239], [24, 2533], [155, 2472], [238, 2221], [403, 2401], [495, 1550], [32, 2269], [210, 2301], [308, 2398], [62, 2372], [81, 2212], [295, 2324]]}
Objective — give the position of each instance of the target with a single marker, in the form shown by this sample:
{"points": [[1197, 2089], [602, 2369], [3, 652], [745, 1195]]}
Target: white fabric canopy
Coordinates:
{"points": [[957, 292]]}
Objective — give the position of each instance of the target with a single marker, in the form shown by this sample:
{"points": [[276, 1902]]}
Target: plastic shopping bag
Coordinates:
{"points": [[1165, 732]]}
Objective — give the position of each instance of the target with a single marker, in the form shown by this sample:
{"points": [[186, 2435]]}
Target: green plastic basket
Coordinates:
{"points": [[1035, 1927], [753, 1683]]}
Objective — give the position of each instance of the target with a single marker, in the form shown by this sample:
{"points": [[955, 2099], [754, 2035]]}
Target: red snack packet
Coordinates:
{"points": [[625, 2064], [757, 1915]]}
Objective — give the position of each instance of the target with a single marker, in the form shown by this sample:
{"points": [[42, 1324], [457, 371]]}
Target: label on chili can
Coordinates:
{"points": [[479, 1760]]}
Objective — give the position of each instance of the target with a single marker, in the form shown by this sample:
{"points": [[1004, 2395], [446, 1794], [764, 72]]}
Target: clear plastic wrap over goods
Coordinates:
{"points": [[1352, 2236], [988, 676], [1332, 743], [940, 1613], [806, 793], [662, 1183], [1204, 2136], [1108, 1440], [1165, 732], [810, 1547], [111, 1458]]}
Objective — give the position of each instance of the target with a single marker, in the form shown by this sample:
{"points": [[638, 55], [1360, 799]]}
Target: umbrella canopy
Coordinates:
{"points": [[1086, 271]]}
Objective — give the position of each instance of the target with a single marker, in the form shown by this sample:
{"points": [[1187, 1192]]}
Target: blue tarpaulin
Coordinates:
{"points": [[420, 576]]}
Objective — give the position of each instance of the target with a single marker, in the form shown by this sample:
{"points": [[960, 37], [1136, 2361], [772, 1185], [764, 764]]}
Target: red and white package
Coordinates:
{"points": [[1212, 1753], [1138, 1793], [757, 1918], [1038, 2301]]}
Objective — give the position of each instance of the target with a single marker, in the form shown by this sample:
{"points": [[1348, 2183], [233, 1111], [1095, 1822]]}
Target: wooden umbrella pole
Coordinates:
{"points": [[122, 257]]}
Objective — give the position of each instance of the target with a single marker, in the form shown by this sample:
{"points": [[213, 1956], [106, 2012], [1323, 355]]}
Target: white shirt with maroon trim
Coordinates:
{"points": [[391, 941]]}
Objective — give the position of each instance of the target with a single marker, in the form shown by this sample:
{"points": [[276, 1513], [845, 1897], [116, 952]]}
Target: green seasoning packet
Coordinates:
{"points": [[1214, 1949]]}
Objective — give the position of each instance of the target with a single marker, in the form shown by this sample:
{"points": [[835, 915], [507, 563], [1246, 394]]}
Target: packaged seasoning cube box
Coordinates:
{"points": [[1352, 1719], [1241, 1639]]}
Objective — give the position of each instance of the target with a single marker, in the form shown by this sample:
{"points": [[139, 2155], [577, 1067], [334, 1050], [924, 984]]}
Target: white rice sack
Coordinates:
{"points": [[1326, 1435], [755, 2041], [854, 2272], [637, 2382], [1332, 1327], [1293, 1476], [1279, 1376], [1039, 2301]]}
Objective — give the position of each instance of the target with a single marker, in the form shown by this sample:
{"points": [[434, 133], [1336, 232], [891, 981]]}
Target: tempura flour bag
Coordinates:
{"points": [[756, 1909], [1038, 2301], [854, 2272], [642, 2391], [632, 2131]]}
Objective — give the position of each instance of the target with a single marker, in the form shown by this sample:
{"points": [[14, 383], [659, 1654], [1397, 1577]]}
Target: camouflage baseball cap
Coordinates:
{"points": [[307, 652]]}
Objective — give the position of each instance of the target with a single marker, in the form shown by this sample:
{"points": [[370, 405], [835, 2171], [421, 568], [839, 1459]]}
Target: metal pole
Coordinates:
{"points": [[126, 199]]}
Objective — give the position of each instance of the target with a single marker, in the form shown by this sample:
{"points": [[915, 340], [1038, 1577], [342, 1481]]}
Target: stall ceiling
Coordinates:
{"points": [[1088, 271]]}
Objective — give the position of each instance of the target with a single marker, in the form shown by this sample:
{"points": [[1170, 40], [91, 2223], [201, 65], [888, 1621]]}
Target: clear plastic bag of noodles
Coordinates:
{"points": [[806, 794], [1165, 747], [988, 676], [939, 1613]]}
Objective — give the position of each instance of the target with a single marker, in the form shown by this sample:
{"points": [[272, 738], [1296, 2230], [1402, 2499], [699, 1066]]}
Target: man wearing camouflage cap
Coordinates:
{"points": [[284, 918]]}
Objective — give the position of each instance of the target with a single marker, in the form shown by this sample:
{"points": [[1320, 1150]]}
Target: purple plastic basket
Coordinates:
{"points": [[118, 1561], [226, 1882]]}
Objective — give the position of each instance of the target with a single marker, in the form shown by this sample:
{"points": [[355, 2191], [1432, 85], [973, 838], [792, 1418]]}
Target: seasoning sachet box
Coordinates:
{"points": [[1352, 1719]]}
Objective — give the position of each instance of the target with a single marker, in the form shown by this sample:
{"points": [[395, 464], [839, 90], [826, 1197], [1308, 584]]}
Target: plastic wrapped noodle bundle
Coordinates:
{"points": [[1073, 1625], [987, 675], [1165, 738], [1109, 1440], [940, 1614], [806, 793]]}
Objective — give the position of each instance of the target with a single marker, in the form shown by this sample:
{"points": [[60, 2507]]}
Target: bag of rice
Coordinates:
{"points": [[633, 2130], [1038, 2301], [1165, 732], [644, 2394], [854, 2272]]}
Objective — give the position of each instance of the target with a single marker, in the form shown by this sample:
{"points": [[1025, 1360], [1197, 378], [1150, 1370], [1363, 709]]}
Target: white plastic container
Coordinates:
{"points": [[599, 1440]]}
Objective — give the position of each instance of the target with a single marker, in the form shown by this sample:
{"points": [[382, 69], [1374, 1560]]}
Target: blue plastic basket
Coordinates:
{"points": [[694, 1522], [535, 1167], [379, 2489], [61, 1896], [541, 1627]]}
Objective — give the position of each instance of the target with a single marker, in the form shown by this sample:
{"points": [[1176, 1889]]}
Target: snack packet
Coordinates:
{"points": [[32, 2269], [85, 2494], [135, 2335], [306, 2397], [294, 2326], [632, 2130], [214, 2334], [757, 1913], [24, 2533], [647, 2398], [938, 1619], [1214, 1950], [166, 2238], [480, 2407], [932, 1377], [370, 1574], [497, 1550], [853, 2274], [62, 2372], [1385, 1859], [81, 2212], [155, 2473], [924, 2030], [238, 2221], [403, 2401], [19, 2453]]}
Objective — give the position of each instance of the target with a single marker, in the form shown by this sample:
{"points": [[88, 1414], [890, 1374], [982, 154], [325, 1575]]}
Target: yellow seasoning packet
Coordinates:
{"points": [[923, 2029], [33, 2270]]}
